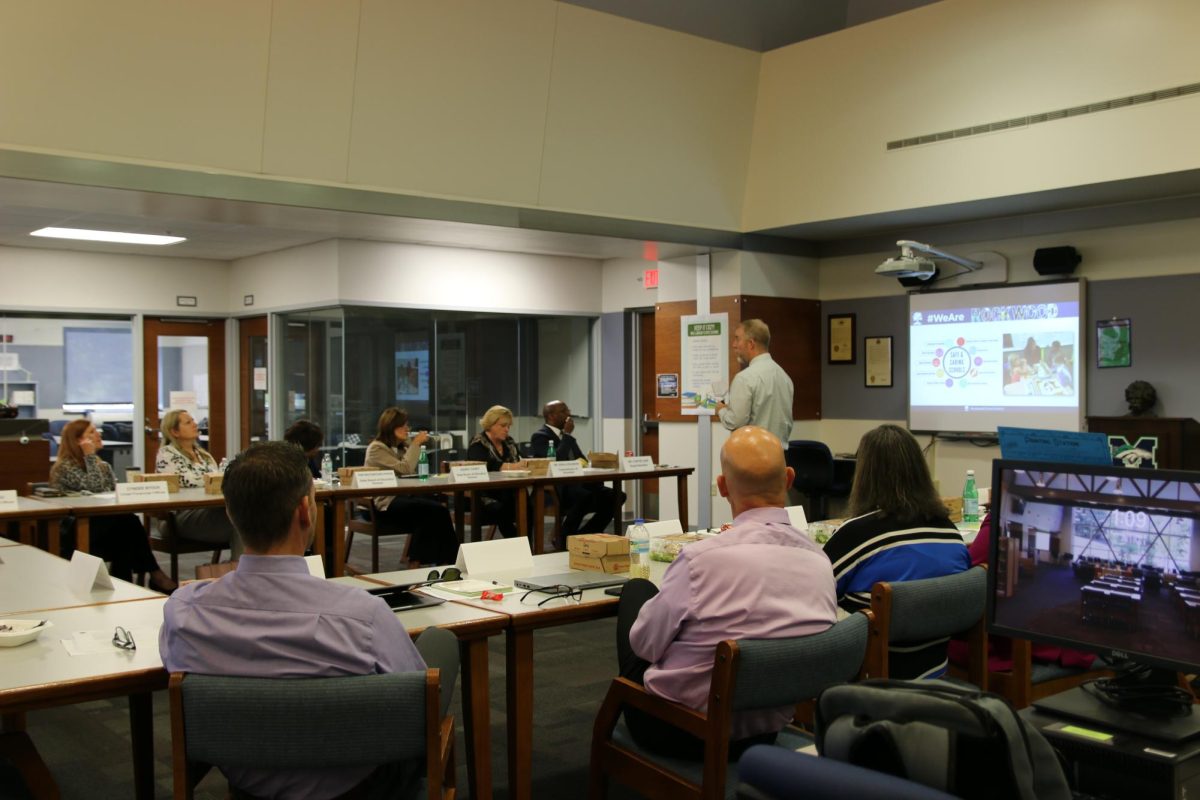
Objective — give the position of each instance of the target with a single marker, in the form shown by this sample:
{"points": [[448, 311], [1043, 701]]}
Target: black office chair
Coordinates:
{"points": [[813, 464]]}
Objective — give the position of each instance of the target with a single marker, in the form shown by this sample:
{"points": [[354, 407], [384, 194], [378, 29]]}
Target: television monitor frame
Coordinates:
{"points": [[1097, 643], [1078, 703]]}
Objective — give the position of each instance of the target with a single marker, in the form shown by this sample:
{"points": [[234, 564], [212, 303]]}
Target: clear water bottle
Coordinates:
{"points": [[423, 464], [550, 451], [327, 468], [639, 550], [970, 499], [224, 463]]}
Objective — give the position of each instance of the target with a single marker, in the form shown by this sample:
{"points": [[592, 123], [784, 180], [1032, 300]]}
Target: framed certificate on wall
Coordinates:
{"points": [[841, 339], [877, 362]]}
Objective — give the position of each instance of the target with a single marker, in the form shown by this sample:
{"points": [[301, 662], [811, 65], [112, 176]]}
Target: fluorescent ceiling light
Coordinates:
{"points": [[119, 237]]}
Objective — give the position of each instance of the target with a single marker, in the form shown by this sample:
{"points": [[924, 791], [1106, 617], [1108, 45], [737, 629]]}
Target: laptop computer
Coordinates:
{"points": [[402, 598], [573, 580]]}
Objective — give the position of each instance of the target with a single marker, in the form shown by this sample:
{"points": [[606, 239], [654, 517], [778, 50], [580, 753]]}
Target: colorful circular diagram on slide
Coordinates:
{"points": [[957, 363]]}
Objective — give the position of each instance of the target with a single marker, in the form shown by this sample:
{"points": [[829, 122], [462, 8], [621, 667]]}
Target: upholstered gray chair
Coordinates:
{"points": [[933, 608], [307, 723], [747, 674]]}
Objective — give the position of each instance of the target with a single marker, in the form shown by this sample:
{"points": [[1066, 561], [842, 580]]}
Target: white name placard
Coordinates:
{"points": [[469, 473], [316, 567], [374, 479], [150, 490], [565, 469], [637, 463], [86, 572], [8, 500]]}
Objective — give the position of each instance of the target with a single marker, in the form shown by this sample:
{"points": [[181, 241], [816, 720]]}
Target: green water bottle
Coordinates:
{"points": [[970, 499], [550, 451], [423, 465]]}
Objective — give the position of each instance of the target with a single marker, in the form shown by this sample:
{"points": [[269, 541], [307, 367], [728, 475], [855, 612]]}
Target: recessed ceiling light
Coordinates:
{"points": [[119, 237]]}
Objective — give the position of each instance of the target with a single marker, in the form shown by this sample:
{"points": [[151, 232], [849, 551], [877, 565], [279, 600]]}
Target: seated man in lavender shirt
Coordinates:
{"points": [[760, 579], [270, 618]]}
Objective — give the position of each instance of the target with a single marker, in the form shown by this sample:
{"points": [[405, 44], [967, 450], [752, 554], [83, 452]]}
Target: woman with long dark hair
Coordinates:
{"points": [[899, 532], [118, 538], [427, 521]]}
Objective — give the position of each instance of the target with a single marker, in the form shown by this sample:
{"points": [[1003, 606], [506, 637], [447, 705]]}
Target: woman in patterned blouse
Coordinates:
{"points": [[497, 449], [119, 538], [182, 455]]}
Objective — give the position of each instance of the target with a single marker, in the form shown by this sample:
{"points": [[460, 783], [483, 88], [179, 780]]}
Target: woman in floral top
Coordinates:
{"points": [[119, 538], [182, 455], [497, 449]]}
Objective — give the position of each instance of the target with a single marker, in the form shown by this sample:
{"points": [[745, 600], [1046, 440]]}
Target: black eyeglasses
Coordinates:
{"points": [[123, 639], [558, 592], [448, 574]]}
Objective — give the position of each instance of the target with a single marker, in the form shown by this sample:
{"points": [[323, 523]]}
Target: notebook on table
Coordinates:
{"points": [[572, 580]]}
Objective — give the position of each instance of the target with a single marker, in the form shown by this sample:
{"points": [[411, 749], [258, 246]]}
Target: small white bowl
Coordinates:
{"points": [[21, 630]]}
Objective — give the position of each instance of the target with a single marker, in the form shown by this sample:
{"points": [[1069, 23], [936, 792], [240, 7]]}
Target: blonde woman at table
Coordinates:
{"points": [[182, 455], [426, 520], [119, 538], [493, 446]]}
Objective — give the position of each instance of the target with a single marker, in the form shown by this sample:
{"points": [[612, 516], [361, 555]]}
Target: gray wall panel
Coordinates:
{"points": [[614, 400], [843, 391], [1166, 343], [1166, 329]]}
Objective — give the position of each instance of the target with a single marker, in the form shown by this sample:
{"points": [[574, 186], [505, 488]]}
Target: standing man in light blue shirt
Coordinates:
{"points": [[761, 394]]}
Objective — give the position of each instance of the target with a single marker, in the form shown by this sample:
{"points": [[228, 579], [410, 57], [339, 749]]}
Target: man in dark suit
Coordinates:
{"points": [[577, 499]]}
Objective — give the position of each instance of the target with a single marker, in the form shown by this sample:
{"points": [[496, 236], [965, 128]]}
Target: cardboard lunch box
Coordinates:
{"points": [[538, 467], [212, 482], [171, 479], [601, 460], [599, 552], [346, 474]]}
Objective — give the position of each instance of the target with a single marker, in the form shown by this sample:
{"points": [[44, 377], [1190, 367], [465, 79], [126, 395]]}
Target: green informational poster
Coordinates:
{"points": [[1114, 345], [704, 362]]}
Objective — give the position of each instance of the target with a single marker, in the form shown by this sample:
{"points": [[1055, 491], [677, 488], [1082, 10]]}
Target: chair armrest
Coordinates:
{"points": [[623, 692]]}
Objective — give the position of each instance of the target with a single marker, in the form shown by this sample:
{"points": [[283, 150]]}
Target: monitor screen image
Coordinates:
{"points": [[1011, 355], [1097, 558]]}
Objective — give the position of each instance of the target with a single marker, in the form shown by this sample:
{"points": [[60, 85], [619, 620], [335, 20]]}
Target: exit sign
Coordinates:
{"points": [[650, 278]]}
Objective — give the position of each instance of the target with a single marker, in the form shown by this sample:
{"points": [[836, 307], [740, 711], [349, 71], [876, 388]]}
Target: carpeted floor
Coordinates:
{"points": [[87, 746]]}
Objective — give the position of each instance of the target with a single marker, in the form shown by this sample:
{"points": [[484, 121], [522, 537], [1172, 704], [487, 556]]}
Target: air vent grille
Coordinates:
{"points": [[1047, 116]]}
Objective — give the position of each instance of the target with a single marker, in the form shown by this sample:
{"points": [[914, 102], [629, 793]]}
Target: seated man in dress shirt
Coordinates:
{"points": [[577, 499], [762, 579], [270, 618]]}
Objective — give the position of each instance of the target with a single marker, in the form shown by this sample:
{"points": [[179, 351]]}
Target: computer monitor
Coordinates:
{"points": [[1107, 563]]}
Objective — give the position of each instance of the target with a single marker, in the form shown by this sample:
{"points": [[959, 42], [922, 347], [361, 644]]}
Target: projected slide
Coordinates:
{"points": [[989, 357]]}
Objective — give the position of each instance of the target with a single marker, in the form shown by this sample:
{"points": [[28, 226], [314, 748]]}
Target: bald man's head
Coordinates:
{"points": [[753, 472]]}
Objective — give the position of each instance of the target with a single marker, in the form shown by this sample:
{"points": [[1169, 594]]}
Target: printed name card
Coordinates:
{"points": [[86, 572], [469, 473], [374, 479], [565, 469], [316, 567], [149, 490], [637, 463], [8, 500]]}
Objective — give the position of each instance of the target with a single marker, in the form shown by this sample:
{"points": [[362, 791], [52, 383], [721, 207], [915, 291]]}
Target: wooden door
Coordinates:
{"points": [[188, 356], [253, 358]]}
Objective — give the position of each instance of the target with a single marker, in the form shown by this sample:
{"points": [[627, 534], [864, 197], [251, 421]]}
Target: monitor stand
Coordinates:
{"points": [[1078, 704]]}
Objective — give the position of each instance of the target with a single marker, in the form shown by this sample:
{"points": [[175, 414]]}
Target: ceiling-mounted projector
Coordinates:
{"points": [[913, 268], [907, 267]]}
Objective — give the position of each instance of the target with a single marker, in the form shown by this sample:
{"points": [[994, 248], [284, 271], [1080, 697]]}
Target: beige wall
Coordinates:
{"points": [[526, 102], [34, 279], [828, 106]]}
